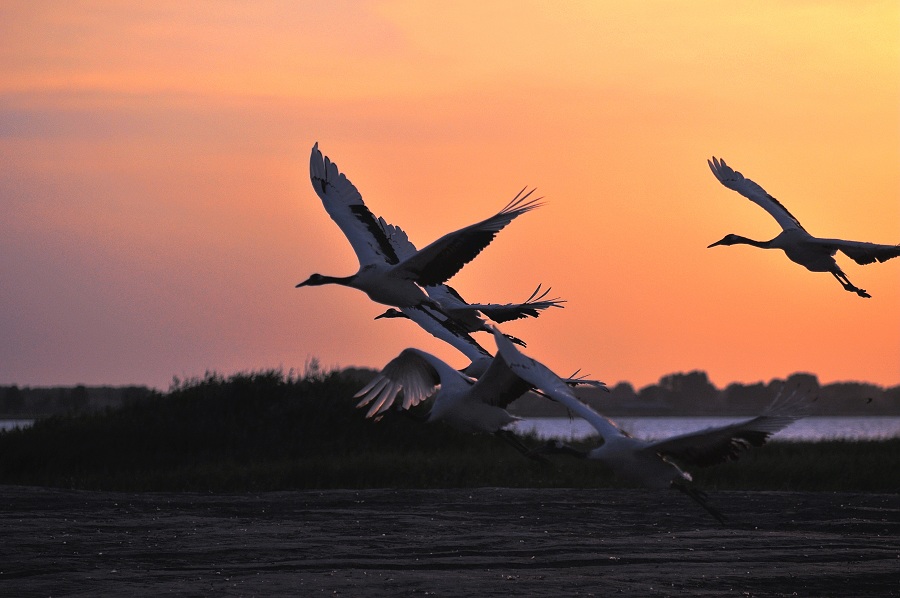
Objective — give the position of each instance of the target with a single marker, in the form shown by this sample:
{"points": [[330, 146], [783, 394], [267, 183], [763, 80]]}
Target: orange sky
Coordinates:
{"points": [[158, 212]]}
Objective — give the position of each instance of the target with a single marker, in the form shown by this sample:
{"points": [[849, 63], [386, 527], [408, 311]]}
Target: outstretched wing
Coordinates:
{"points": [[345, 205], [398, 240], [440, 260], [861, 252], [415, 372], [530, 308], [726, 443], [735, 181]]}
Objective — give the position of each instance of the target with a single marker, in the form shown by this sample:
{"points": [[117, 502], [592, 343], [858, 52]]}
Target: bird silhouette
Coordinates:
{"points": [[466, 317], [651, 464], [466, 403], [813, 253], [382, 275]]}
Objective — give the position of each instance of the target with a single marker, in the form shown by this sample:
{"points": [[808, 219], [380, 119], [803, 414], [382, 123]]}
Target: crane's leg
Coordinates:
{"points": [[849, 286], [699, 497]]}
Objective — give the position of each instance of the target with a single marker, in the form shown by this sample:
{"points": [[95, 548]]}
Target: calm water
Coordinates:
{"points": [[11, 424], [809, 428]]}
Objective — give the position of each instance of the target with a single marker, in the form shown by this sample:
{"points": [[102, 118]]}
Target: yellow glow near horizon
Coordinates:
{"points": [[156, 169]]}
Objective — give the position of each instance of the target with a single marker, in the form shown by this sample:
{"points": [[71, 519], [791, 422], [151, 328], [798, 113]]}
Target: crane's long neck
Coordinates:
{"points": [[319, 279], [739, 240], [346, 281]]}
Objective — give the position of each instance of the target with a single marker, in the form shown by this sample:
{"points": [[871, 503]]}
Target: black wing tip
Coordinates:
{"points": [[721, 169], [538, 297], [521, 204]]}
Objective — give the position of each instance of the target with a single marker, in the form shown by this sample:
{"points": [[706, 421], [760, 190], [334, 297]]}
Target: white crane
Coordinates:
{"points": [[383, 276], [647, 463], [813, 253], [462, 318], [468, 316], [466, 403]]}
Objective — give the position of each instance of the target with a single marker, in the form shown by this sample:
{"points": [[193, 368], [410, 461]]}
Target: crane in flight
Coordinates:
{"points": [[382, 275], [813, 253], [469, 317], [651, 464], [464, 316], [466, 403]]}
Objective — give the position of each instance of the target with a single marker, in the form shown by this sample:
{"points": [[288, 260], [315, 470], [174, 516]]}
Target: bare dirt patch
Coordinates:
{"points": [[459, 542]]}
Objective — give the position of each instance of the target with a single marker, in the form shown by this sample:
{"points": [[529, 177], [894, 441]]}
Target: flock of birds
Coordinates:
{"points": [[413, 283]]}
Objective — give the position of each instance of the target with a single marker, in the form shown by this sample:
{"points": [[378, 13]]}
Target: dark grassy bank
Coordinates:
{"points": [[268, 431]]}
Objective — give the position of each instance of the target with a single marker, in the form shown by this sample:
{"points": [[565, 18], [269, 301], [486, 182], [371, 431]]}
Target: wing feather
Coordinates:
{"points": [[344, 204], [862, 252], [717, 445], [735, 181], [416, 373], [410, 372], [530, 308], [440, 260]]}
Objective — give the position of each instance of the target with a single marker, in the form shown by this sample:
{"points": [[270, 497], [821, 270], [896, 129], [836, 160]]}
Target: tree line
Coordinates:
{"points": [[689, 393]]}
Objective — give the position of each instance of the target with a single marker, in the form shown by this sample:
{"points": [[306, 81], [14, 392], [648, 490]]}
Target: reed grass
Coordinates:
{"points": [[274, 431]]}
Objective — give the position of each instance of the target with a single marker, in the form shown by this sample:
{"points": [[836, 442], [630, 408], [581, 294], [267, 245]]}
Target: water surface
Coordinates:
{"points": [[652, 428]]}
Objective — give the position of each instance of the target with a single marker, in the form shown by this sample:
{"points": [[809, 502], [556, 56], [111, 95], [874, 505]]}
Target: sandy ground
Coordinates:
{"points": [[461, 542]]}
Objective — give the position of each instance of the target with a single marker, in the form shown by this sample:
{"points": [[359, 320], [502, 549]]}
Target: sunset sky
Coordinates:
{"points": [[157, 210]]}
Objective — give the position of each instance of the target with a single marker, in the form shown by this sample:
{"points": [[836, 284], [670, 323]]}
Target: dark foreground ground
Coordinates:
{"points": [[461, 542]]}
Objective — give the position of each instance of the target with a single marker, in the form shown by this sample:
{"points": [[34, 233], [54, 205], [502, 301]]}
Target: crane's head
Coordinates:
{"points": [[314, 281], [727, 240]]}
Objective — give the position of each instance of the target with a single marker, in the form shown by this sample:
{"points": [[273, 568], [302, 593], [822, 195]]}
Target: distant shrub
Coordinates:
{"points": [[270, 430]]}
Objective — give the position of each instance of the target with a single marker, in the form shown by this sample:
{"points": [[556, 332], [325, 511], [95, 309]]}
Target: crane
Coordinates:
{"points": [[813, 253]]}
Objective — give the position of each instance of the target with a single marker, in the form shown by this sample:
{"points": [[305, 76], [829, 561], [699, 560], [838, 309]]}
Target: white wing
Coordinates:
{"points": [[398, 239], [542, 378], [345, 205], [417, 373], [735, 181]]}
